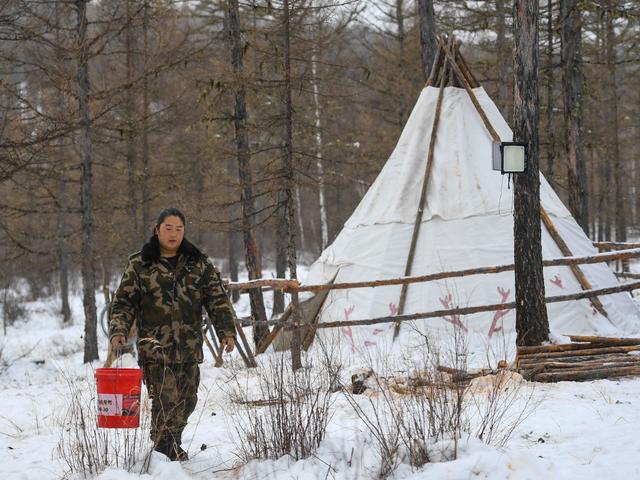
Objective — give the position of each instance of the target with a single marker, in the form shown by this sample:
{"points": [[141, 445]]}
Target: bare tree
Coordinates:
{"points": [[244, 168], [572, 86], [614, 141], [86, 186]]}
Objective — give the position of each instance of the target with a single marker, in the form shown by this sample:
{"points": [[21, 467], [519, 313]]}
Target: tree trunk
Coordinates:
{"points": [[86, 188], [532, 324], [129, 106], [287, 165], [319, 153], [428, 44], [281, 253], [232, 237], [61, 246], [503, 60], [298, 196], [614, 151], [401, 37], [549, 112], [572, 88], [244, 170], [146, 216], [61, 253]]}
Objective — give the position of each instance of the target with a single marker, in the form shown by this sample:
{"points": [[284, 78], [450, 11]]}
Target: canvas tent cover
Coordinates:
{"points": [[467, 223]]}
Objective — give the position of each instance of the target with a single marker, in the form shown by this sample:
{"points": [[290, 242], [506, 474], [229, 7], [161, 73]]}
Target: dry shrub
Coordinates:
{"points": [[88, 450], [287, 412], [420, 415]]}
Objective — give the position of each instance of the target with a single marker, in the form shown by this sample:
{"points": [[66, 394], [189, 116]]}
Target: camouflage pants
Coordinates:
{"points": [[173, 389]]}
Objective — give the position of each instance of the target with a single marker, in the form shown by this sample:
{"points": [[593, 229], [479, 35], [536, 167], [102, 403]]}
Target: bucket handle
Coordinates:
{"points": [[118, 357]]}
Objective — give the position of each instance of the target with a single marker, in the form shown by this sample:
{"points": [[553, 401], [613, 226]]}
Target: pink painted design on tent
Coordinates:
{"points": [[393, 309], [347, 330], [557, 281], [504, 294], [378, 331], [367, 343], [446, 302]]}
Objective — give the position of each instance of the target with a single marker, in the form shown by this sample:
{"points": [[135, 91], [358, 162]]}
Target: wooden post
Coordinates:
{"points": [[423, 199]]}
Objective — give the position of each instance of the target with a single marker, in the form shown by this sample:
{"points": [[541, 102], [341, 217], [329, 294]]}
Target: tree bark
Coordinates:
{"points": [[401, 38], [232, 237], [63, 258], [503, 60], [572, 88], [319, 152], [614, 151], [86, 187], [244, 169], [428, 44], [532, 324], [549, 112], [129, 106], [287, 166], [146, 200]]}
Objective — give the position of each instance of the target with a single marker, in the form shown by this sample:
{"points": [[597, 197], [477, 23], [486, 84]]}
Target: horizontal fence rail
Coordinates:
{"points": [[615, 245], [294, 286], [456, 311]]}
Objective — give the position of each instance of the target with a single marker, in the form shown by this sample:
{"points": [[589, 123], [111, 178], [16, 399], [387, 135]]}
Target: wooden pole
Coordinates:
{"points": [[546, 219], [249, 358], [423, 198], [473, 82], [465, 83], [436, 67], [469, 310], [615, 245], [287, 285], [216, 356], [564, 248]]}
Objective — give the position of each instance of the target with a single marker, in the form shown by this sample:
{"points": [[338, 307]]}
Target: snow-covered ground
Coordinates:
{"points": [[578, 430]]}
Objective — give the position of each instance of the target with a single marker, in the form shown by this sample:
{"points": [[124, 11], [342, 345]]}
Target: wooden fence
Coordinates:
{"points": [[615, 253]]}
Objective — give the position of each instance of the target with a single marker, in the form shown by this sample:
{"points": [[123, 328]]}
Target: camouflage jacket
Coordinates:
{"points": [[167, 304]]}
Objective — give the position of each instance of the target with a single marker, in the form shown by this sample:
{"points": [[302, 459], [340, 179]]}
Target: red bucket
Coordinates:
{"points": [[118, 397]]}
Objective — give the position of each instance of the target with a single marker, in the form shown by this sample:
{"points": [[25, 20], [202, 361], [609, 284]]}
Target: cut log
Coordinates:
{"points": [[581, 376], [588, 364], [565, 347], [605, 340], [590, 351], [581, 358]]}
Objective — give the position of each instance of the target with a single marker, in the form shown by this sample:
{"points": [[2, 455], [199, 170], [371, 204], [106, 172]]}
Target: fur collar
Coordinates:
{"points": [[151, 250]]}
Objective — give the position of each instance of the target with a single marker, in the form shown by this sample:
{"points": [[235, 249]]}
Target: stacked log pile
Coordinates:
{"points": [[586, 358]]}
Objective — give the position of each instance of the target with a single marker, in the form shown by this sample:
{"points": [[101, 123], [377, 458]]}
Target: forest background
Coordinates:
{"points": [[266, 121]]}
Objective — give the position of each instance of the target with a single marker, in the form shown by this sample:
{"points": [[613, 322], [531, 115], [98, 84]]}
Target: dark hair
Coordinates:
{"points": [[170, 212]]}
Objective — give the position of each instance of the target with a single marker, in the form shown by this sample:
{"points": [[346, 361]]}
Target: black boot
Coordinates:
{"points": [[163, 445], [177, 453], [169, 445]]}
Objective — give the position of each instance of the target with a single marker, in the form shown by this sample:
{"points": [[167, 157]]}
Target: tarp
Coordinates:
{"points": [[467, 223]]}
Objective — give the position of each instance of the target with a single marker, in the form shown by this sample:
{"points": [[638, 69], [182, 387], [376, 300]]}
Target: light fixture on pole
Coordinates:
{"points": [[510, 157]]}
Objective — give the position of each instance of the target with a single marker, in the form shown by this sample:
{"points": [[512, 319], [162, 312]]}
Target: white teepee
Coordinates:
{"points": [[467, 223]]}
